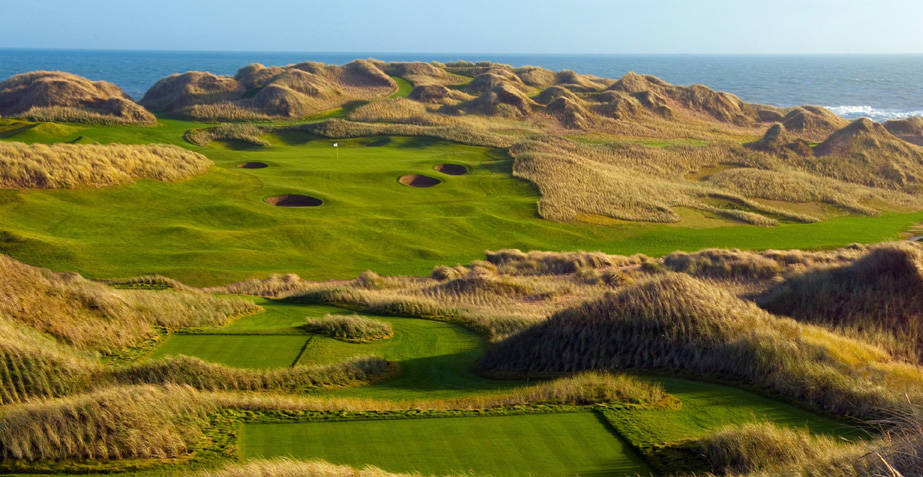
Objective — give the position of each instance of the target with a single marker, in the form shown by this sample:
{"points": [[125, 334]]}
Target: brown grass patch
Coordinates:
{"points": [[293, 200], [417, 180]]}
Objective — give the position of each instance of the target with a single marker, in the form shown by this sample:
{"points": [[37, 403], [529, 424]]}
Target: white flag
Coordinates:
{"points": [[335, 145]]}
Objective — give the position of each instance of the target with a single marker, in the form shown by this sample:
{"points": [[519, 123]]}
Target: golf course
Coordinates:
{"points": [[378, 269]]}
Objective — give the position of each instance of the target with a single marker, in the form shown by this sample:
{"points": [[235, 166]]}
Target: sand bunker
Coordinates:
{"points": [[416, 180], [293, 200], [253, 165], [452, 169]]}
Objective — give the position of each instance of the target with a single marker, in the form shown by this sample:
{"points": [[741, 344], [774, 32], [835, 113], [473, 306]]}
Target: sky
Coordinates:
{"points": [[470, 26]]}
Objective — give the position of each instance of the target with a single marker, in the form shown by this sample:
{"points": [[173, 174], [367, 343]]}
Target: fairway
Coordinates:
{"points": [[216, 228], [707, 407], [437, 360], [240, 351], [546, 444]]}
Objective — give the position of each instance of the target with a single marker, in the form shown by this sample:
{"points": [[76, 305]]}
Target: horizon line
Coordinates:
{"points": [[134, 50]]}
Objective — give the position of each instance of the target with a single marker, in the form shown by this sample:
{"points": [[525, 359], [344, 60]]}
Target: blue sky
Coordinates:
{"points": [[479, 26]]}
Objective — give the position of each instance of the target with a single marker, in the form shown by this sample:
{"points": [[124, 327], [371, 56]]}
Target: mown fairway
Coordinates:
{"points": [[436, 358], [215, 228], [547, 444], [240, 351]]}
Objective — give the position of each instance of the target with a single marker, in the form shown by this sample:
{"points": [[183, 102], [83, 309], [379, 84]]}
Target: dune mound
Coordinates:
{"points": [[437, 94], [812, 122], [882, 292], [659, 96], [675, 322], [419, 73], [68, 166], [780, 141], [293, 200], [59, 96], [452, 169], [260, 92], [416, 180], [909, 129], [253, 165], [865, 152]]}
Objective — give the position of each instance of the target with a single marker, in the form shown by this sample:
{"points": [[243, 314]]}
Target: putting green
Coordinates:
{"points": [[216, 228], [239, 351], [547, 444]]}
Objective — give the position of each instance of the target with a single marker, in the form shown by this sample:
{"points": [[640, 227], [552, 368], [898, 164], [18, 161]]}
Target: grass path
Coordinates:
{"points": [[547, 444], [215, 228]]}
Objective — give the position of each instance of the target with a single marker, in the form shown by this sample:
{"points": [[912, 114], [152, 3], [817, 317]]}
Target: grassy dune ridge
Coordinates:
{"points": [[93, 316], [69, 166]]}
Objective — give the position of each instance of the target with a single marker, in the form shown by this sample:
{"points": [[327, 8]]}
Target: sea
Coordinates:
{"points": [[879, 87]]}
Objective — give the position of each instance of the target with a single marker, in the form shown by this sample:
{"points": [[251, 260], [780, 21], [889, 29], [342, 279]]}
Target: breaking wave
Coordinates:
{"points": [[872, 113]]}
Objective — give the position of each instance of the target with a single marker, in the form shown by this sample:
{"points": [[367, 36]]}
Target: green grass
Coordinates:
{"points": [[706, 407], [437, 360], [240, 351], [404, 87], [547, 444], [215, 228]]}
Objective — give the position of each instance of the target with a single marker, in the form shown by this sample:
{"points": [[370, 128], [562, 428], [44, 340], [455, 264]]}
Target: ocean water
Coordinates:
{"points": [[877, 86]]}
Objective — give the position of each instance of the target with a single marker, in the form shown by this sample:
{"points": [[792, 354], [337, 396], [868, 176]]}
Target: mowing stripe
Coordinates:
{"points": [[300, 353]]}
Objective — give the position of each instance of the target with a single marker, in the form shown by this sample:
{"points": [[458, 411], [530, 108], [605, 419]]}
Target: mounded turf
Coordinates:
{"points": [[239, 351], [215, 228], [546, 444], [436, 358]]}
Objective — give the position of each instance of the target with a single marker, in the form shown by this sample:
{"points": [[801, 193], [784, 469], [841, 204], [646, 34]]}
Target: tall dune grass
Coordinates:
{"points": [[882, 292], [92, 316], [117, 423], [676, 323], [69, 166]]}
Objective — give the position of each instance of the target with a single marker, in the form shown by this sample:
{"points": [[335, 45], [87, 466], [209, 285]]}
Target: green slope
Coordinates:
{"points": [[216, 228]]}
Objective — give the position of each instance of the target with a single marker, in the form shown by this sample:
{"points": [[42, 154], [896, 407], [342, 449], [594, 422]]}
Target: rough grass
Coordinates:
{"points": [[239, 133], [880, 293], [93, 316], [186, 370], [116, 423], [352, 328], [32, 365], [285, 467], [764, 447], [68, 166], [676, 323]]}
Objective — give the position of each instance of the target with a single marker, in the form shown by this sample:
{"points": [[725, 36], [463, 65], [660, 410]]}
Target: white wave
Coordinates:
{"points": [[875, 114]]}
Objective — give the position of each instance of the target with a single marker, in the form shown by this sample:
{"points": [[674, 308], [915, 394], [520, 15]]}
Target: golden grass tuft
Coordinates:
{"points": [[69, 166], [283, 467], [352, 328], [115, 423], [93, 316], [202, 375]]}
